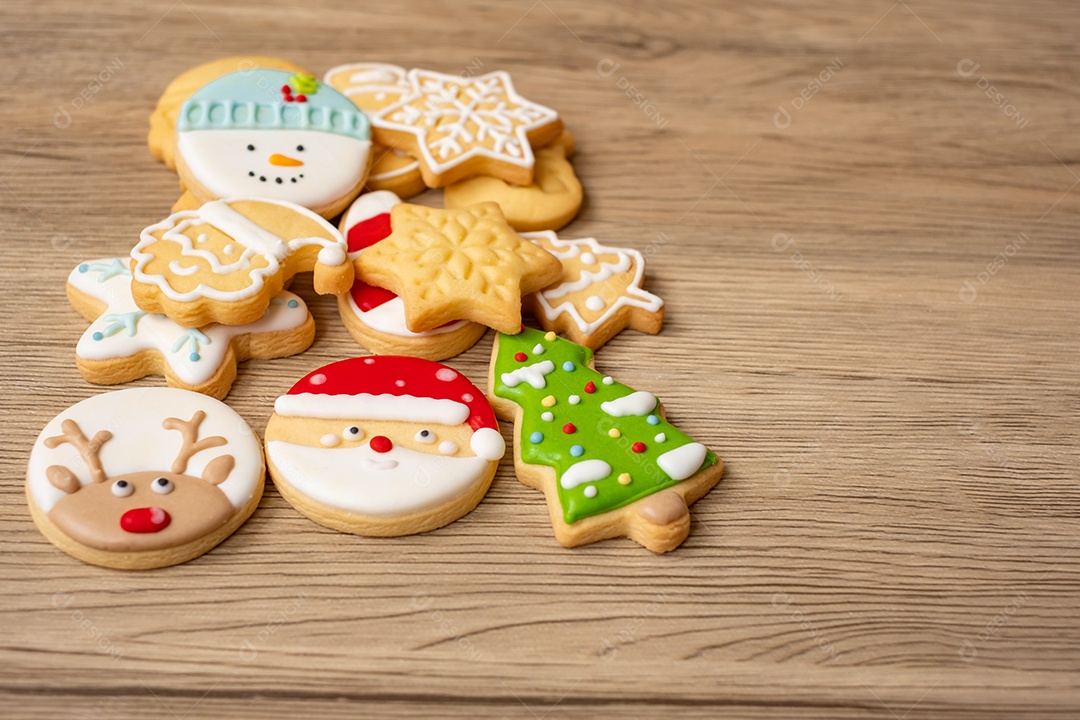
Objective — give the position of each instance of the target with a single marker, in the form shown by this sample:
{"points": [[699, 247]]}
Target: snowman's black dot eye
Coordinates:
{"points": [[299, 148], [251, 147]]}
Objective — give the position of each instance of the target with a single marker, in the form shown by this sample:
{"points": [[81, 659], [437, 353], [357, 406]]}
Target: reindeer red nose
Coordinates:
{"points": [[381, 444], [145, 520]]}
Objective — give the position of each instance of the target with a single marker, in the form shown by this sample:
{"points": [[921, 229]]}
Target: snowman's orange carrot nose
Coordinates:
{"points": [[285, 161]]}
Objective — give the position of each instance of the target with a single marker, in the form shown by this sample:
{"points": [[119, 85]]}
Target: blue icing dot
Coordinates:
{"points": [[652, 420], [568, 366], [97, 336], [293, 303], [536, 437], [83, 268], [194, 357], [577, 450]]}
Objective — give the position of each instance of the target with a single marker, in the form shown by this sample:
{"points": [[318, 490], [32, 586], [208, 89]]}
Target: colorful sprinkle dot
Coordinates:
{"points": [[194, 357], [536, 437], [660, 437], [590, 491], [608, 380], [568, 366], [624, 479], [652, 420], [399, 383], [614, 432], [574, 399], [549, 401], [547, 416], [590, 387], [97, 336], [369, 361], [549, 336], [83, 268], [292, 303], [569, 428], [638, 447], [467, 397], [538, 349], [318, 379], [577, 450], [521, 357]]}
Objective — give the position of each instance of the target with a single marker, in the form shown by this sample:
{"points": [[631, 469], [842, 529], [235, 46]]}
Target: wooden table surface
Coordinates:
{"points": [[863, 217]]}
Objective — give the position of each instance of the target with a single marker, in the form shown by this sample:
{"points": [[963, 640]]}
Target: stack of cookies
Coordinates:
{"points": [[386, 444]]}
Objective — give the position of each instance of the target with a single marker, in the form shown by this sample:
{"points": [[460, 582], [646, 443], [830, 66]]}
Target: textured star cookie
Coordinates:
{"points": [[463, 264], [124, 343], [598, 295], [459, 127]]}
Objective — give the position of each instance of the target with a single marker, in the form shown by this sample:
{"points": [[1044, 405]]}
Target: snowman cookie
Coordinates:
{"points": [[374, 86], [275, 135], [124, 343], [375, 317], [224, 261], [143, 478], [608, 462], [383, 446]]}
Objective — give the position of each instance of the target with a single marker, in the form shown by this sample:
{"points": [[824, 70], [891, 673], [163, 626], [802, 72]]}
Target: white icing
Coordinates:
{"points": [[373, 407], [588, 258], [634, 296], [547, 415], [229, 249], [538, 349], [683, 461], [660, 437], [160, 334], [584, 471], [330, 440], [608, 380], [590, 491], [488, 443], [448, 448], [637, 403], [389, 318], [446, 375], [176, 267], [139, 443], [333, 255], [367, 206], [532, 374], [357, 479], [574, 399], [240, 228]]}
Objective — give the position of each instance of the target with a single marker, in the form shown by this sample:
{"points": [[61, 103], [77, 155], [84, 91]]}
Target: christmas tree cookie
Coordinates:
{"points": [[608, 462]]}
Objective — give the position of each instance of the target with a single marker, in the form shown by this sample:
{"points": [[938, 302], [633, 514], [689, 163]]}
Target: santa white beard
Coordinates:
{"points": [[390, 484]]}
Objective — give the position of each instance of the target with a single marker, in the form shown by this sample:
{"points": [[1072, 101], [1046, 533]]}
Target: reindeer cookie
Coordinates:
{"points": [[143, 478], [383, 446]]}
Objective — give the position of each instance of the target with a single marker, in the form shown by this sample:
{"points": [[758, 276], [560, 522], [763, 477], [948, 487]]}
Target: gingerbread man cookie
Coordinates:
{"points": [[608, 462], [143, 478], [224, 261], [124, 343], [383, 446]]}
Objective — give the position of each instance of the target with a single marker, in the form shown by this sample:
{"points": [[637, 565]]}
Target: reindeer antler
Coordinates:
{"points": [[190, 432], [88, 449]]}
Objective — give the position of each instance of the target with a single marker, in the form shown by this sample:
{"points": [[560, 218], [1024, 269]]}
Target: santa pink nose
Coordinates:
{"points": [[381, 444], [145, 520]]}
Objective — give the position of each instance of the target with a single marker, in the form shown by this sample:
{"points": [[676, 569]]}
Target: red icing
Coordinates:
{"points": [[521, 357], [377, 375], [368, 297], [367, 232], [638, 447], [301, 98], [569, 428], [381, 444], [590, 387], [145, 520]]}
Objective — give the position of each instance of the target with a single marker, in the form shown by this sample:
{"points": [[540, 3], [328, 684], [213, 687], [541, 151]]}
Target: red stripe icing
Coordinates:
{"points": [[368, 232]]}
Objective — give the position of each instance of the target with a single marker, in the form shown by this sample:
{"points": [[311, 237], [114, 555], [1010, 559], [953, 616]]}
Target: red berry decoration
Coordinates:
{"points": [[638, 447], [569, 428], [286, 90], [301, 98], [590, 387], [521, 357]]}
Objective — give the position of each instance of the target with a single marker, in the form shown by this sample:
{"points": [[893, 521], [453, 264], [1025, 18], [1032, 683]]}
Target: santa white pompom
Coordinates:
{"points": [[383, 445]]}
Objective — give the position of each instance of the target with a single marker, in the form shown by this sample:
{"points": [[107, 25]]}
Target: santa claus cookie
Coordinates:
{"points": [[608, 462], [375, 317], [124, 343], [374, 86], [144, 478], [224, 261], [275, 135], [383, 446]]}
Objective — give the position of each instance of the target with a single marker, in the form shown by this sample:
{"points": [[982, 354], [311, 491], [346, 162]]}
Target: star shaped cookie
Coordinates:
{"points": [[459, 127], [464, 264]]}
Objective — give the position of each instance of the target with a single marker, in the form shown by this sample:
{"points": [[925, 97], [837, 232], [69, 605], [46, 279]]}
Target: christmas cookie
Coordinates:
{"points": [[372, 87], [608, 462], [449, 265], [549, 203], [124, 343], [375, 317], [143, 478], [224, 261], [598, 295], [274, 135], [458, 127], [383, 446], [162, 137]]}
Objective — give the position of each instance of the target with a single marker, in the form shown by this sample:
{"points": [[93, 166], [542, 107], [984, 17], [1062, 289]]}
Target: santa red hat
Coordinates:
{"points": [[391, 387]]}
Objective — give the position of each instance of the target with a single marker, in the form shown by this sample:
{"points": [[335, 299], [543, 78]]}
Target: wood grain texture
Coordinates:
{"points": [[823, 191]]}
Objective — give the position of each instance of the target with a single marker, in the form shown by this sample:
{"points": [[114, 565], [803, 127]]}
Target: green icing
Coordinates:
{"points": [[592, 426]]}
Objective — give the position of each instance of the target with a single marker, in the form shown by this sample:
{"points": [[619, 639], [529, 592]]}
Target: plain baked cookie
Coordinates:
{"points": [[551, 201], [143, 478], [383, 446], [274, 135], [374, 316], [124, 343], [224, 261], [607, 461]]}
